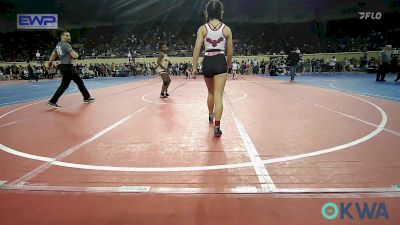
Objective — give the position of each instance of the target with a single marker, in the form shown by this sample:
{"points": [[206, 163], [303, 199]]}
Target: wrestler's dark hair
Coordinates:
{"points": [[61, 32], [214, 10]]}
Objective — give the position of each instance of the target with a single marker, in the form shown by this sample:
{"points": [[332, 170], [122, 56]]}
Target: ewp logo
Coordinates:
{"points": [[372, 15], [363, 211], [37, 21]]}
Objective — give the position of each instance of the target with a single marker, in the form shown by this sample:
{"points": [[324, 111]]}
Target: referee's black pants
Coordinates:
{"points": [[68, 74], [383, 69]]}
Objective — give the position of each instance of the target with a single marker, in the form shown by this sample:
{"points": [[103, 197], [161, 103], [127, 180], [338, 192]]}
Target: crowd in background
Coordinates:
{"points": [[275, 66], [141, 40], [249, 39], [35, 72]]}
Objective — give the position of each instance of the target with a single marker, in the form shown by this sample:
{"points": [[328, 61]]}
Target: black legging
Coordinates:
{"points": [[69, 73]]}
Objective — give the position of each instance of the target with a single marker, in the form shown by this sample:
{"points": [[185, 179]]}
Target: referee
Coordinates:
{"points": [[384, 63], [66, 55]]}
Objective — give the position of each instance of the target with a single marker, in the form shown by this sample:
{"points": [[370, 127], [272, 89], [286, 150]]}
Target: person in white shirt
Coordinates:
{"points": [[163, 70], [216, 37], [332, 63], [37, 55], [255, 66], [129, 57], [235, 67]]}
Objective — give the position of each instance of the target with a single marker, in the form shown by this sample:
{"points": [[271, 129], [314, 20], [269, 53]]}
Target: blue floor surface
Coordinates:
{"points": [[358, 83], [29, 91]]}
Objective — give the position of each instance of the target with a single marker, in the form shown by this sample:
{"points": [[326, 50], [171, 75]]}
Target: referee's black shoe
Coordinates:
{"points": [[89, 100], [54, 105]]}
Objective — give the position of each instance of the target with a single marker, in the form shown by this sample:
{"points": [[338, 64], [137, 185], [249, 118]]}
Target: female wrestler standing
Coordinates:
{"points": [[215, 35], [162, 69]]}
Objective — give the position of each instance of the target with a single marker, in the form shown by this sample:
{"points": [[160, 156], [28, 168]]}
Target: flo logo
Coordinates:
{"points": [[370, 15], [355, 210]]}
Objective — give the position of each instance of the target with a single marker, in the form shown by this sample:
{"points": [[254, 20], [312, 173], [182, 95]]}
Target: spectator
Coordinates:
{"points": [[293, 59], [332, 63]]}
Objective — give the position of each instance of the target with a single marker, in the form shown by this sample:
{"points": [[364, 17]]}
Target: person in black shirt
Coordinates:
{"points": [[293, 59], [30, 72]]}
